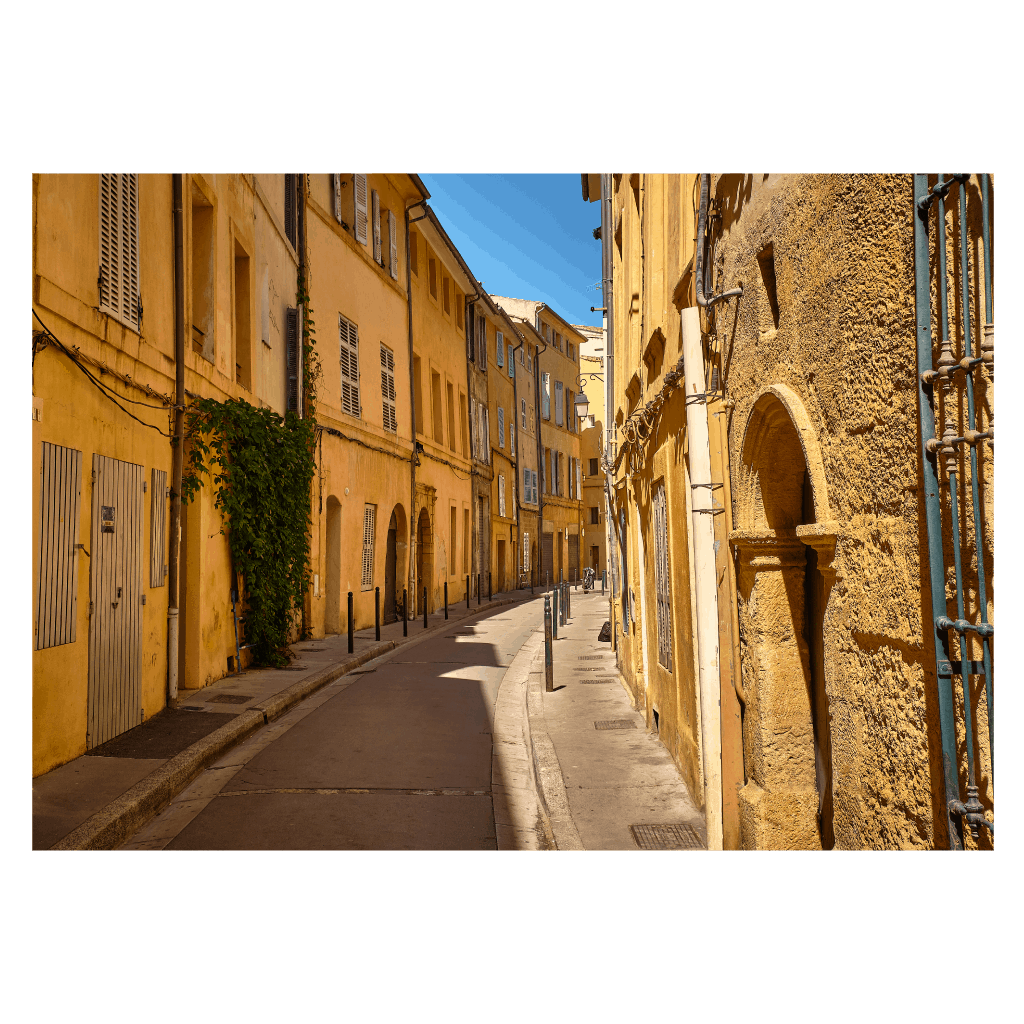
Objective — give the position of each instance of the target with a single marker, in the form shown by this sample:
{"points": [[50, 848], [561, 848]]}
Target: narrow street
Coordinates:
{"points": [[445, 743]]}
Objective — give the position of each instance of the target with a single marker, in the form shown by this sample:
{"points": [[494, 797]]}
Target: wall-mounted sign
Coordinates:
{"points": [[107, 518]]}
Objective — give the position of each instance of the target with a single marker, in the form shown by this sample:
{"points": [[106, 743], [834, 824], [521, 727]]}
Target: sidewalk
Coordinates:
{"points": [[101, 798], [605, 781]]}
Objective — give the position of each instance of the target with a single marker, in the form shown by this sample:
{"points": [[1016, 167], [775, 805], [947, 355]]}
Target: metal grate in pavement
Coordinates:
{"points": [[230, 698], [601, 679], [666, 837], [616, 723], [592, 657], [588, 668]]}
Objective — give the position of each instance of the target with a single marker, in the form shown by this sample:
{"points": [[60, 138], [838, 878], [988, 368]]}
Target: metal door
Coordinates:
{"points": [[574, 557], [115, 599]]}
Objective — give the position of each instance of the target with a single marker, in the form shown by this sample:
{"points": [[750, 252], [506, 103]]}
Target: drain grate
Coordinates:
{"points": [[602, 679], [296, 668], [229, 698], [667, 837], [191, 707], [616, 723], [592, 657], [588, 668]]}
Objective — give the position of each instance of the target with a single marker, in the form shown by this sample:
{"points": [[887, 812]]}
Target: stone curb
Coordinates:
{"points": [[547, 771], [121, 818]]}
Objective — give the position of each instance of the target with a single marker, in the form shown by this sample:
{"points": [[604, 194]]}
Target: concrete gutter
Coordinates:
{"points": [[111, 826]]}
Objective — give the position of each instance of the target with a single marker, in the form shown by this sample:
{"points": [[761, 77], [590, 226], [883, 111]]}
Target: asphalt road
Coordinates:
{"points": [[397, 756]]}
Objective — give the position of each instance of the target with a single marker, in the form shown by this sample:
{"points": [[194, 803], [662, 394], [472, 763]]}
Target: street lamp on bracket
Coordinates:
{"points": [[582, 403]]}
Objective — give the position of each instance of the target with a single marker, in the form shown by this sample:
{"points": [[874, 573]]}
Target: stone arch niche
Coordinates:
{"points": [[785, 549], [332, 576]]}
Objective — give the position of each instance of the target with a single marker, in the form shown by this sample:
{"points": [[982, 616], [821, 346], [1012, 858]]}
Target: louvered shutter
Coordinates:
{"points": [[499, 347], [393, 236], [487, 434], [545, 390], [579, 486], [294, 365], [158, 528], [375, 209], [359, 182], [289, 208], [369, 529], [482, 342], [387, 388], [501, 427], [511, 361], [501, 495], [348, 337], [337, 198], [119, 247], [59, 501], [526, 484], [559, 403], [512, 434]]}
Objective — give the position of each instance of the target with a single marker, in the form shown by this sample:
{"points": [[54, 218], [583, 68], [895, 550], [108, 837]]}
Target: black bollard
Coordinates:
{"points": [[554, 614], [446, 599], [604, 574], [424, 607], [405, 613], [351, 634], [376, 609]]}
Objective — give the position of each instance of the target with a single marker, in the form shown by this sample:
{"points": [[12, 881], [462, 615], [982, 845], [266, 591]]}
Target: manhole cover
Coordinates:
{"points": [[666, 837], [616, 723], [591, 657], [603, 679], [229, 698]]}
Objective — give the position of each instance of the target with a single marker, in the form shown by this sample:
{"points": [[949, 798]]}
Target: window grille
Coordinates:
{"points": [[387, 388], [369, 530], [662, 578], [119, 248], [349, 347]]}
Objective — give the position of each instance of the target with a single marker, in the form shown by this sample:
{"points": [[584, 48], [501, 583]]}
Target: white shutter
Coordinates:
{"points": [[545, 393], [501, 427], [119, 247], [359, 182], [375, 204], [501, 495], [387, 388], [523, 406], [512, 434], [349, 355], [393, 236], [579, 486], [337, 198], [499, 347], [369, 529]]}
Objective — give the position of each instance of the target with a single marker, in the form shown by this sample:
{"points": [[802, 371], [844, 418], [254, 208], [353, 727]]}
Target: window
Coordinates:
{"points": [[432, 275], [293, 361], [499, 348], [337, 200], [570, 409], [453, 522], [547, 470], [529, 359], [595, 515], [662, 578], [526, 484], [463, 425], [522, 355], [393, 245], [501, 494], [202, 276], [482, 342], [451, 415], [369, 528], [417, 381], [446, 298], [522, 402], [387, 388], [349, 344], [359, 183], [559, 403], [465, 540], [501, 427], [60, 499], [593, 467], [545, 395], [459, 300], [511, 361], [558, 342], [375, 210], [436, 412], [243, 320], [470, 334], [572, 351], [119, 248], [290, 210]]}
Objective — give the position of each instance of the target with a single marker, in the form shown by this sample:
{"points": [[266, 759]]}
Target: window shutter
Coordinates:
{"points": [[119, 247], [579, 486], [359, 187], [523, 405], [486, 434], [60, 498], [501, 427], [470, 331], [511, 361], [387, 388], [559, 403], [545, 388], [499, 348], [664, 612], [289, 208], [369, 529], [337, 198], [375, 204], [348, 335], [292, 356], [482, 342], [536, 496], [512, 434], [501, 495], [158, 528], [393, 236]]}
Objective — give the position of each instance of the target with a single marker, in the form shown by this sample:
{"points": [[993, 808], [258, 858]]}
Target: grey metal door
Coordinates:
{"points": [[115, 599]]}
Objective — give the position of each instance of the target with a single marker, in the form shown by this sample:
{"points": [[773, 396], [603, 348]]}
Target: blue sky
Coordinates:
{"points": [[525, 235]]}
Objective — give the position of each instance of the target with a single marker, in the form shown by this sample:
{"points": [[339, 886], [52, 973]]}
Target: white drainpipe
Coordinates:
{"points": [[704, 572]]}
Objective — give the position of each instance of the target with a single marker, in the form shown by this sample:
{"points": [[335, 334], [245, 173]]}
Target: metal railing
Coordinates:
{"points": [[946, 393]]}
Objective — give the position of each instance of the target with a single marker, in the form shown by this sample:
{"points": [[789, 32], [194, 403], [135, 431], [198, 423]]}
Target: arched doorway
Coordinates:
{"points": [[394, 563], [424, 561], [332, 576], [786, 544]]}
